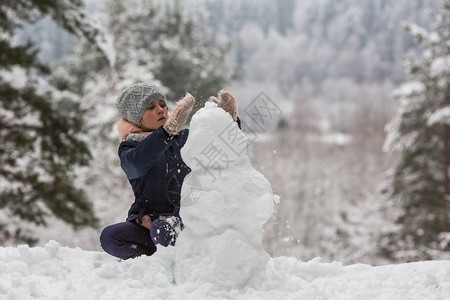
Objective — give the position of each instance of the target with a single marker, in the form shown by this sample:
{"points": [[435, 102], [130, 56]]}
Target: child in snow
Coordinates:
{"points": [[150, 156]]}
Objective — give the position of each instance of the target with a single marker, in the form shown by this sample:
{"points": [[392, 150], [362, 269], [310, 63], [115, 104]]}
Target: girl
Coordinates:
{"points": [[150, 157]]}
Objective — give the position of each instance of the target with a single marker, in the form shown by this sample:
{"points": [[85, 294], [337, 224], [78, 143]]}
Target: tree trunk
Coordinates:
{"points": [[446, 178]]}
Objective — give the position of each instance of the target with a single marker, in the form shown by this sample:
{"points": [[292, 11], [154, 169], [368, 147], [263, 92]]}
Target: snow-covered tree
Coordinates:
{"points": [[157, 43], [39, 128], [421, 133], [320, 44]]}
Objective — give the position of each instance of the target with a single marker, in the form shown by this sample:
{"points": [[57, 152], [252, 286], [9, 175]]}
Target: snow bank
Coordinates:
{"points": [[55, 272]]}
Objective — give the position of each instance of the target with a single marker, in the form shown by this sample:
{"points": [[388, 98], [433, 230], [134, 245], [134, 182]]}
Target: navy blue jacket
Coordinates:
{"points": [[156, 171]]}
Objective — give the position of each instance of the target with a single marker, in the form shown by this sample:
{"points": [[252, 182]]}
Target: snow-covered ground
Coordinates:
{"points": [[55, 272], [219, 255]]}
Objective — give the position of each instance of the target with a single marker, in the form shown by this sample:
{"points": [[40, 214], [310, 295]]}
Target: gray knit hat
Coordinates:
{"points": [[133, 101]]}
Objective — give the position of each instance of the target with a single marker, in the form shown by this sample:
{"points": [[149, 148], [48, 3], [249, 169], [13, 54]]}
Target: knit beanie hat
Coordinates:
{"points": [[133, 101]]}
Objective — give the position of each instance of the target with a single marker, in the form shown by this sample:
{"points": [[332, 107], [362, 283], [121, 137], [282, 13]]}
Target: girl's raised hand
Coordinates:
{"points": [[180, 114]]}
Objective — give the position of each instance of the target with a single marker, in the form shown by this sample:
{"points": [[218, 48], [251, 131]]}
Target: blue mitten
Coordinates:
{"points": [[165, 230]]}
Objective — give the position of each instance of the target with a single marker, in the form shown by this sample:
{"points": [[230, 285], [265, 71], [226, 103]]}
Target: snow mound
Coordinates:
{"points": [[225, 203], [55, 272]]}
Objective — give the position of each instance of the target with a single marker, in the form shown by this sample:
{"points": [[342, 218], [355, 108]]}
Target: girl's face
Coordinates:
{"points": [[154, 116]]}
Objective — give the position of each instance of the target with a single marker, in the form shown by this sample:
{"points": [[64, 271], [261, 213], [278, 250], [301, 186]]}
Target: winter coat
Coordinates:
{"points": [[156, 171]]}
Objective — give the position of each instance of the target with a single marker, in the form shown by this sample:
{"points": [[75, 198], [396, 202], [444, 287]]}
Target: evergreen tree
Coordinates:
{"points": [[421, 133], [39, 131]]}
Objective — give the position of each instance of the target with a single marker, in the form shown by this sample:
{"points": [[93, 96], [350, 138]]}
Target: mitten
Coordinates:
{"points": [[179, 115], [125, 128], [165, 230], [227, 102]]}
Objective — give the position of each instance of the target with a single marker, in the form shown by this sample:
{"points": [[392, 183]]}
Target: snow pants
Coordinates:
{"points": [[127, 240]]}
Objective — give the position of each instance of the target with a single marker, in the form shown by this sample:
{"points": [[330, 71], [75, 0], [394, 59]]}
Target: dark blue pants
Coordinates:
{"points": [[127, 240]]}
